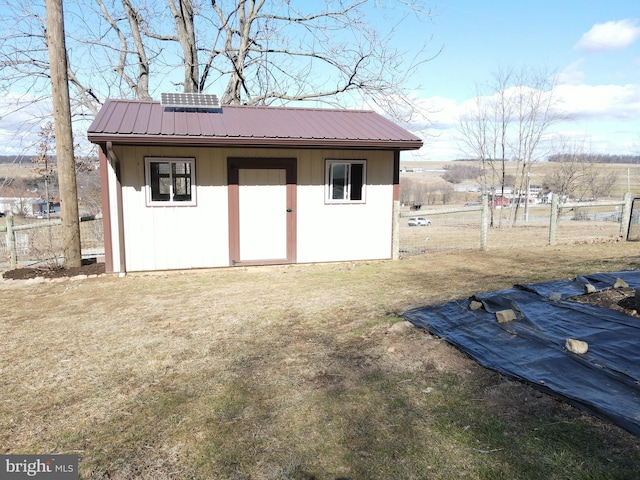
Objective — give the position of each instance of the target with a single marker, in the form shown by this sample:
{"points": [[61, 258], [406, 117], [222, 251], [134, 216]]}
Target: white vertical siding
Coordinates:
{"points": [[338, 232], [176, 237], [158, 238]]}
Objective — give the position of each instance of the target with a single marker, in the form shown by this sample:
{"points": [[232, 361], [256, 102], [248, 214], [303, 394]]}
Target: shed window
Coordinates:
{"points": [[345, 181], [170, 181]]}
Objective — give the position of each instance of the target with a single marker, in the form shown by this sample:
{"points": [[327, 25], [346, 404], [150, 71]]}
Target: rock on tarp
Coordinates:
{"points": [[605, 381]]}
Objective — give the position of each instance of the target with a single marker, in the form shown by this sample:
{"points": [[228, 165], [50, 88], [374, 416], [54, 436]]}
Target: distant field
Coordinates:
{"points": [[12, 170], [628, 174]]}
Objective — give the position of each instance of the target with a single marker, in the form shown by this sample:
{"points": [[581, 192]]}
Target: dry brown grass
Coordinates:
{"points": [[294, 372], [17, 170]]}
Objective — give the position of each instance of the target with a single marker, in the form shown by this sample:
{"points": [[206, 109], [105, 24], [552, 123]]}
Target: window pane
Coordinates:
{"points": [[163, 168], [181, 181], [160, 181], [164, 189], [357, 180], [179, 186], [182, 189], [339, 181], [179, 168]]}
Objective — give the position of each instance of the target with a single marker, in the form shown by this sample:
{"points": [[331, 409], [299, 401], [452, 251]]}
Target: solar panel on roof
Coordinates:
{"points": [[191, 102]]}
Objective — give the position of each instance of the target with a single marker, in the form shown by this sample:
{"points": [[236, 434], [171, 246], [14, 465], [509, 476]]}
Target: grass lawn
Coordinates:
{"points": [[300, 372]]}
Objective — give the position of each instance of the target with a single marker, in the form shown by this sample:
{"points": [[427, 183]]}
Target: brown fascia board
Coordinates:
{"points": [[255, 142]]}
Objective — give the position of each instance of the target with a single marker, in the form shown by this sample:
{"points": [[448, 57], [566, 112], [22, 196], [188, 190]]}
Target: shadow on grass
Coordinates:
{"points": [[339, 413]]}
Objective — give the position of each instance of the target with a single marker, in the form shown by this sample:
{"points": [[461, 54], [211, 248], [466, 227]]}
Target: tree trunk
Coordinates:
{"points": [[64, 135]]}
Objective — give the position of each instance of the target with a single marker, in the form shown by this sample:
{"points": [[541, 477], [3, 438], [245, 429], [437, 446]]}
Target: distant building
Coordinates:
{"points": [[27, 206]]}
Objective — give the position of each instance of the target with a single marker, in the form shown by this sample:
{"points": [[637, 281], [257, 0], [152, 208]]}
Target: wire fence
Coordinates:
{"points": [[28, 241], [461, 228], [38, 242]]}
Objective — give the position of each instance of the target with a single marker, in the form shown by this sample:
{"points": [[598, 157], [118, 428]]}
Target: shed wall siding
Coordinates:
{"points": [[339, 232], [158, 238], [181, 237]]}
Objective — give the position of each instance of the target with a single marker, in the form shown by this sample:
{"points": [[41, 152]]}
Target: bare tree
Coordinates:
{"points": [[43, 162], [411, 191], [576, 174], [600, 183], [483, 132], [254, 52], [536, 113], [507, 123], [448, 192]]}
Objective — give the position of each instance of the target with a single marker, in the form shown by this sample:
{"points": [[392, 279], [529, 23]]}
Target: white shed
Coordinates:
{"points": [[188, 186]]}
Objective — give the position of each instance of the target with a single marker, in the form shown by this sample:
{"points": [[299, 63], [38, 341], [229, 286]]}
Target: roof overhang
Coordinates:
{"points": [[253, 142]]}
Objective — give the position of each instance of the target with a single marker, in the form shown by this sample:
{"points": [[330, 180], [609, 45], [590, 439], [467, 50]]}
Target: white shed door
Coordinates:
{"points": [[262, 214]]}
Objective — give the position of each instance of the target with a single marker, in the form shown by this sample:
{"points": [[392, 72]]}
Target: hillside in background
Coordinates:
{"points": [[594, 158], [584, 157], [26, 159]]}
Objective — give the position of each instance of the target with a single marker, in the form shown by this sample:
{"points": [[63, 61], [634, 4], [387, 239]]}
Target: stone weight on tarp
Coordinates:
{"points": [[576, 346], [620, 284], [504, 316], [555, 296], [475, 305]]}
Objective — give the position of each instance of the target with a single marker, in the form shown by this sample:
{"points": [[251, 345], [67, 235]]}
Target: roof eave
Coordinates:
{"points": [[255, 142]]}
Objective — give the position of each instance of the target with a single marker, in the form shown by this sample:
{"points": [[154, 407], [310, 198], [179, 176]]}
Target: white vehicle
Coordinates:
{"points": [[419, 222]]}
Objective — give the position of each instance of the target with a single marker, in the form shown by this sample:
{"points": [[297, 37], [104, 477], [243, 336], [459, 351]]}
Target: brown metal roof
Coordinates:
{"points": [[149, 123]]}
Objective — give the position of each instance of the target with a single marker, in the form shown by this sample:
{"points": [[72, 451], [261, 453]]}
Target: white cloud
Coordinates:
{"points": [[617, 102], [614, 35], [607, 115], [572, 74], [434, 113], [20, 120]]}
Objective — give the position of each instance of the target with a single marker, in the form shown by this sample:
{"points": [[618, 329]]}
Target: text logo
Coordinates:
{"points": [[49, 467]]}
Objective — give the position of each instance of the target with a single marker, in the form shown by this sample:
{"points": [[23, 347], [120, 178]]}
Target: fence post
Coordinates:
{"points": [[554, 219], [626, 216], [484, 222], [395, 235], [11, 242]]}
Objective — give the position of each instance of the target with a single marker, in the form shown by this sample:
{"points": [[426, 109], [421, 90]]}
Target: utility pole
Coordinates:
{"points": [[64, 135]]}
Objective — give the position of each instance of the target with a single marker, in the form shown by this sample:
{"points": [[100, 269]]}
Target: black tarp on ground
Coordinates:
{"points": [[605, 381]]}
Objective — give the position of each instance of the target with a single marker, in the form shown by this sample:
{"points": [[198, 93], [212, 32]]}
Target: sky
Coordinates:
{"points": [[592, 46]]}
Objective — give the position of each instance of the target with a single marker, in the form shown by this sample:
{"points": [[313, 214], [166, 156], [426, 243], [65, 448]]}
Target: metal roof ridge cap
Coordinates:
{"points": [[128, 100], [311, 109]]}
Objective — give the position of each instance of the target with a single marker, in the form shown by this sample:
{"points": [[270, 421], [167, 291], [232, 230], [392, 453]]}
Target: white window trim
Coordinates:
{"points": [[328, 185], [171, 202]]}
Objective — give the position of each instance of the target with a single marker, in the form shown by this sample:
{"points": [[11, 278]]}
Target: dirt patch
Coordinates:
{"points": [[620, 299], [87, 268]]}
